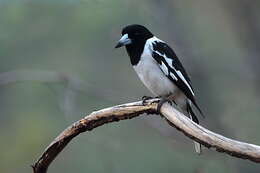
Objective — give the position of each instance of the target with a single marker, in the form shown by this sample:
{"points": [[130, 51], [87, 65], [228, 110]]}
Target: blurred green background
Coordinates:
{"points": [[58, 63]]}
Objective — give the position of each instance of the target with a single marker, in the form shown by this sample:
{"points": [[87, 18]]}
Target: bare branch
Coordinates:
{"points": [[131, 110], [208, 138], [95, 119]]}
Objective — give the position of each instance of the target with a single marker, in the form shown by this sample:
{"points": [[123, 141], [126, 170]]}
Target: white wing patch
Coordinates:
{"points": [[166, 71], [184, 80], [173, 76], [168, 60], [164, 67]]}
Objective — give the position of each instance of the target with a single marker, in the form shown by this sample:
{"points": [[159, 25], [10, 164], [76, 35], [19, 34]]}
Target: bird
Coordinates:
{"points": [[159, 68]]}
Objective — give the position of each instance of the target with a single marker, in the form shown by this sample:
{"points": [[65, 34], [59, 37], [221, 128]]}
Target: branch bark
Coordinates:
{"points": [[130, 110]]}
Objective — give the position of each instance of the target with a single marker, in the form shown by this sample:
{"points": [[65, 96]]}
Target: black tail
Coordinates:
{"points": [[197, 106], [194, 118], [191, 113]]}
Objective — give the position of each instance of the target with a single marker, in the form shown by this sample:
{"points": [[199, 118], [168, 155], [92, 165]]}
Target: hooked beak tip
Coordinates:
{"points": [[124, 40], [119, 45]]}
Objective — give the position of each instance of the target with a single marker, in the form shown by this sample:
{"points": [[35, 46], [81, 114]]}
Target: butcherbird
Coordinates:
{"points": [[159, 69]]}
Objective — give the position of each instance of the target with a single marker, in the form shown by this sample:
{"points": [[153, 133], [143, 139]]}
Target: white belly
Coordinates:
{"points": [[153, 78]]}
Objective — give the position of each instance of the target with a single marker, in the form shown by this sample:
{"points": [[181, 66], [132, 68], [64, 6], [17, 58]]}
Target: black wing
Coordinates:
{"points": [[173, 69]]}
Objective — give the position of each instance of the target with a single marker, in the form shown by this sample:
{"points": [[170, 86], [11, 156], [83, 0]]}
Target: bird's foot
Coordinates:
{"points": [[162, 101], [145, 98]]}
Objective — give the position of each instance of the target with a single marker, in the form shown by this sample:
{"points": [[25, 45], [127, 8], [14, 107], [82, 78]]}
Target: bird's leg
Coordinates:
{"points": [[169, 98], [145, 98], [161, 102]]}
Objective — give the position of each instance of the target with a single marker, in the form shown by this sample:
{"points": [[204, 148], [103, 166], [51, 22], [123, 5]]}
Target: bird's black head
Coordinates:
{"points": [[134, 38], [134, 34]]}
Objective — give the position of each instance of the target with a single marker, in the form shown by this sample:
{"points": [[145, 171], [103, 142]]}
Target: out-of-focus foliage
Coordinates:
{"points": [[217, 41]]}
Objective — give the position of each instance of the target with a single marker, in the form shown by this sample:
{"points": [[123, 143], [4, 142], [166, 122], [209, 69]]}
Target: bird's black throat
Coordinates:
{"points": [[135, 51]]}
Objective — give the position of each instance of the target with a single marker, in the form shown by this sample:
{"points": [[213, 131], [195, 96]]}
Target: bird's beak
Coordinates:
{"points": [[124, 40]]}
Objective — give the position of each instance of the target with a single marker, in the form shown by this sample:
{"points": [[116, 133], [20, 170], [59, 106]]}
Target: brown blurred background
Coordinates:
{"points": [[58, 63]]}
